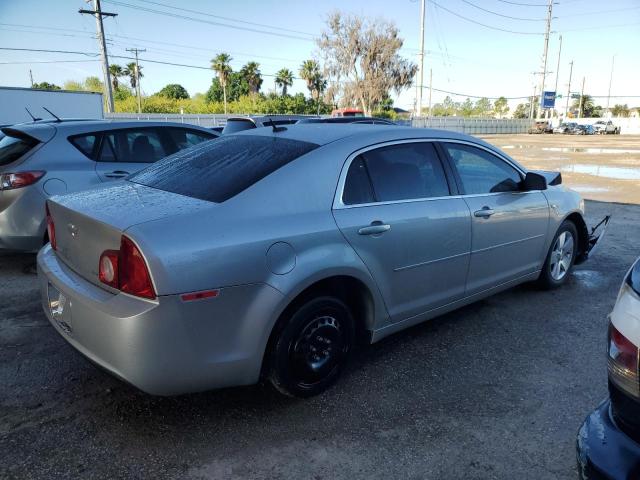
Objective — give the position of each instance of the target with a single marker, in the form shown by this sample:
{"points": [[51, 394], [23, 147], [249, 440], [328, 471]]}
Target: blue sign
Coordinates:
{"points": [[549, 99]]}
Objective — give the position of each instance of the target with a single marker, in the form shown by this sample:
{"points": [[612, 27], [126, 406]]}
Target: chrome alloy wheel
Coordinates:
{"points": [[561, 255]]}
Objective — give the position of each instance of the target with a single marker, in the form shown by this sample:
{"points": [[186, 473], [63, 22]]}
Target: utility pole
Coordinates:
{"points": [[566, 108], [610, 81], [422, 14], [546, 47], [581, 97], [136, 51], [31, 77], [533, 102], [98, 13], [558, 70], [430, 84]]}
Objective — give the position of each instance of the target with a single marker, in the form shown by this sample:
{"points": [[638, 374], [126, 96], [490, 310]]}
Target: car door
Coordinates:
{"points": [[125, 151], [395, 208], [509, 226]]}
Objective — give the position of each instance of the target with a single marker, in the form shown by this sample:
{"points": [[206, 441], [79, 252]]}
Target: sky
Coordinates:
{"points": [[493, 51]]}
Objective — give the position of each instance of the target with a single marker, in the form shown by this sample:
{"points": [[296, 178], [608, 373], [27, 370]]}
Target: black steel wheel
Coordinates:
{"points": [[311, 347]]}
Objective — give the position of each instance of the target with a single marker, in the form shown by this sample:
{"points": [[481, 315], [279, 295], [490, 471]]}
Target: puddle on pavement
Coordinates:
{"points": [[590, 278], [619, 173]]}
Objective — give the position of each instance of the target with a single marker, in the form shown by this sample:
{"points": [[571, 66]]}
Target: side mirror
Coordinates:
{"points": [[534, 181]]}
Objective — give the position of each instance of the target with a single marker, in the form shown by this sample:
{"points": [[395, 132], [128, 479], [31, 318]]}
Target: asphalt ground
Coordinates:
{"points": [[497, 389]]}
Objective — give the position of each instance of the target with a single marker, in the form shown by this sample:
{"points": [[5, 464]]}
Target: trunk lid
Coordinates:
{"points": [[90, 222]]}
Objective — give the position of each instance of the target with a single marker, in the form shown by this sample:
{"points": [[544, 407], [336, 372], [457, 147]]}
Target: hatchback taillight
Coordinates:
{"points": [[11, 181], [51, 228], [622, 362], [126, 270]]}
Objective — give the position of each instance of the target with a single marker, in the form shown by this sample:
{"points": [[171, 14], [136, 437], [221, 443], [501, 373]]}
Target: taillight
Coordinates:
{"points": [[10, 181], [51, 228], [623, 362], [126, 270]]}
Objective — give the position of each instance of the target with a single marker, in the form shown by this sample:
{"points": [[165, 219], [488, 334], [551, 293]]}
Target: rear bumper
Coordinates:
{"points": [[22, 219], [603, 450], [166, 346]]}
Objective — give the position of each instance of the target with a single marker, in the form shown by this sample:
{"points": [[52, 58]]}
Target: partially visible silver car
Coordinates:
{"points": [[272, 251], [47, 158]]}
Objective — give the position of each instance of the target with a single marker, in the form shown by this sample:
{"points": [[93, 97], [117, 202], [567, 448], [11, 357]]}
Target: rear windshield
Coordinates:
{"points": [[216, 171], [13, 146], [237, 125]]}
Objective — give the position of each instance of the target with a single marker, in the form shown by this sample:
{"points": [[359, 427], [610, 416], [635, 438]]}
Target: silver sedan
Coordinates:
{"points": [[271, 252]]}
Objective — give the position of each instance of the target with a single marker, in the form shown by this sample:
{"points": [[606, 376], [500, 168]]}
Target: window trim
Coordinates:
{"points": [[338, 203], [458, 179]]}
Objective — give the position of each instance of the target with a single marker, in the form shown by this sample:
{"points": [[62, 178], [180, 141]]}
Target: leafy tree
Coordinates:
{"points": [[130, 71], [175, 91], [620, 110], [116, 71], [523, 109], [501, 107], [483, 107], [73, 86], [237, 86], [466, 108], [122, 93], [221, 65], [445, 109], [251, 73], [364, 55], [45, 86], [284, 79], [589, 108], [93, 84]]}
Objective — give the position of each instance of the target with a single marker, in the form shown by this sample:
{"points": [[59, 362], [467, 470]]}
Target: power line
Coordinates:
{"points": [[524, 4], [599, 12], [226, 18], [482, 24], [200, 20], [504, 16], [48, 61]]}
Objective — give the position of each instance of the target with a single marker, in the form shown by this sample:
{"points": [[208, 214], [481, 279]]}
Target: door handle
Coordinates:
{"points": [[375, 228], [485, 212], [116, 174]]}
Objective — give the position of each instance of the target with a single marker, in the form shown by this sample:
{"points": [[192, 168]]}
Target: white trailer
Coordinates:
{"points": [[63, 103]]}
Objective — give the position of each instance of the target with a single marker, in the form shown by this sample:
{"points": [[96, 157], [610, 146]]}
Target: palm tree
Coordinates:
{"points": [[251, 73], [116, 71], [284, 79], [220, 65], [130, 71], [310, 73]]}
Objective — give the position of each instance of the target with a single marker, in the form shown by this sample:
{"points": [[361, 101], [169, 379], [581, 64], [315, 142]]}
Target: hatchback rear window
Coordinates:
{"points": [[217, 171], [13, 145]]}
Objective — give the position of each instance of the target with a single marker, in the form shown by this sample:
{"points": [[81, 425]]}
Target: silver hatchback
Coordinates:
{"points": [[273, 251], [41, 159]]}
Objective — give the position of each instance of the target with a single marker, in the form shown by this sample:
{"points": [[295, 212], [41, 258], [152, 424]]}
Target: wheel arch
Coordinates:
{"points": [[583, 233]]}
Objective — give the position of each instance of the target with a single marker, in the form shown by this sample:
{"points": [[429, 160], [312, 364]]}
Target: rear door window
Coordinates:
{"points": [[87, 144], [217, 171], [142, 145], [14, 146]]}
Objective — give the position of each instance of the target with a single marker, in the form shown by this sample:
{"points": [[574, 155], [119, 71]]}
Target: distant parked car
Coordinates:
{"points": [[541, 126], [606, 127], [565, 127], [347, 112], [47, 158], [608, 443], [356, 120], [583, 130], [238, 124], [271, 252]]}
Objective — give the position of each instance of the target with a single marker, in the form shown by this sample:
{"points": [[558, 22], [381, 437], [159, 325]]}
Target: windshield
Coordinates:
{"points": [[216, 171]]}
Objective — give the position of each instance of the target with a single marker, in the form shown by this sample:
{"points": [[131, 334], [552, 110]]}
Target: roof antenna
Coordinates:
{"points": [[52, 114], [275, 128], [35, 119]]}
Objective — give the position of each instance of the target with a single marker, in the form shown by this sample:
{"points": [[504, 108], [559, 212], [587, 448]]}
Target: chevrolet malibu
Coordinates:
{"points": [[270, 253]]}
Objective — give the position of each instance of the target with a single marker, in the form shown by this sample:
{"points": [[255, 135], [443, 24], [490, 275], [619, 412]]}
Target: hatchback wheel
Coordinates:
{"points": [[311, 347], [560, 257]]}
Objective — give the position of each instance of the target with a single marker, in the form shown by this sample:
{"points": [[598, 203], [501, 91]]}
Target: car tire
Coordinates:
{"points": [[311, 347], [561, 256]]}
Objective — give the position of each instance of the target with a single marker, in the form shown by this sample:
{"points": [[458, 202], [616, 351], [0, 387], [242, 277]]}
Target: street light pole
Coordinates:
{"points": [[420, 81], [566, 108], [610, 81], [558, 68]]}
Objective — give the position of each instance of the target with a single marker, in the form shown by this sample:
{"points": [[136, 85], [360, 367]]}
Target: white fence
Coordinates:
{"points": [[476, 126], [457, 124]]}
